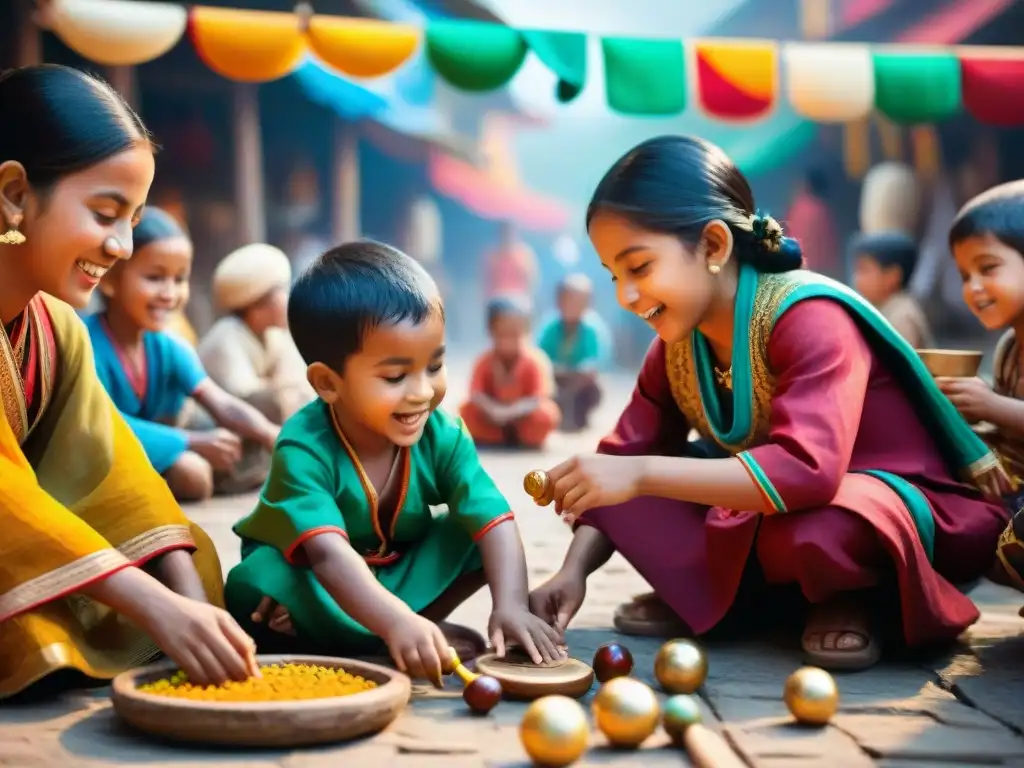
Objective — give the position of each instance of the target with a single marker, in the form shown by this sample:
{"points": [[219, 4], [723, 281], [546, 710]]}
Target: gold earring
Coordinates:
{"points": [[12, 237], [714, 269]]}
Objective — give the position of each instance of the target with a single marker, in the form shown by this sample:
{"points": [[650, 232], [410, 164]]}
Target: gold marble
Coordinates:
{"points": [[680, 666], [626, 711], [554, 731], [811, 695]]}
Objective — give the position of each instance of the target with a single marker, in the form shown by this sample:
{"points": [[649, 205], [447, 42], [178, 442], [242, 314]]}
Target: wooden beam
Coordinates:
{"points": [[249, 194]]}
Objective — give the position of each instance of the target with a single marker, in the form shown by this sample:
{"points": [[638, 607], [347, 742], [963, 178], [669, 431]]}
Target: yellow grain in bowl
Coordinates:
{"points": [[280, 682]]}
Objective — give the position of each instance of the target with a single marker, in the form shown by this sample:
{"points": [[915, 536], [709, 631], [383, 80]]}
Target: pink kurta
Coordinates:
{"points": [[836, 409]]}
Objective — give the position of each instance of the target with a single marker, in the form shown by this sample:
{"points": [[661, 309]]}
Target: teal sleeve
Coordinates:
{"points": [[548, 340], [297, 501], [472, 497]]}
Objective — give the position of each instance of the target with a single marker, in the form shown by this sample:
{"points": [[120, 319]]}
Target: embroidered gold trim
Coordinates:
{"points": [[405, 458], [156, 540], [60, 580], [11, 389], [680, 362]]}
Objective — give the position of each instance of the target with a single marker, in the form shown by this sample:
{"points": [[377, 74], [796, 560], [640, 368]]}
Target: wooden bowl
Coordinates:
{"points": [[528, 681], [951, 362], [263, 723]]}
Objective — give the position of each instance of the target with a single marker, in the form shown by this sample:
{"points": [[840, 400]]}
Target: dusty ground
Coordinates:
{"points": [[964, 707]]}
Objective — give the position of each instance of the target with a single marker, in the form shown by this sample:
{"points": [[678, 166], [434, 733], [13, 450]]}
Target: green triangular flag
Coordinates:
{"points": [[644, 77], [565, 54], [917, 87], [475, 55]]}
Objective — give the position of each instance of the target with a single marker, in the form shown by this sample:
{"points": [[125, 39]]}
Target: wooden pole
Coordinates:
{"points": [[29, 36], [124, 81], [345, 215], [249, 198]]}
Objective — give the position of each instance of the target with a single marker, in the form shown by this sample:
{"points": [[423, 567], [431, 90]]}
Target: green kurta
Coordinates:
{"points": [[316, 484]]}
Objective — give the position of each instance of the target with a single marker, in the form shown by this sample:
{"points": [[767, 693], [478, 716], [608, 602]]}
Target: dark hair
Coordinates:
{"points": [[505, 306], [998, 212], [889, 249], [156, 224], [351, 290], [676, 185], [58, 121]]}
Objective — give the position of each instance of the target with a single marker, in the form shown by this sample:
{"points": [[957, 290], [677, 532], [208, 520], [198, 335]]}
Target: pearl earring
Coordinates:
{"points": [[714, 269]]}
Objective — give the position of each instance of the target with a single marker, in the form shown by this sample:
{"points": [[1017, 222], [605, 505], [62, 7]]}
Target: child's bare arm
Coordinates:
{"points": [[504, 558], [350, 582], [417, 644], [501, 550], [235, 414]]}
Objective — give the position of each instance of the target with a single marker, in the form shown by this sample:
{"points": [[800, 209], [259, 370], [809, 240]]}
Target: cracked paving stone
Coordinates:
{"points": [[922, 737]]}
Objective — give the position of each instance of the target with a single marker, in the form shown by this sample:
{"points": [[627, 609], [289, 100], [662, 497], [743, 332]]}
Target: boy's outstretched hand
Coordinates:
{"points": [[540, 641]]}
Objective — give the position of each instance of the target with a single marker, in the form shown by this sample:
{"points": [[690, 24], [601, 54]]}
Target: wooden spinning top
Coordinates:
{"points": [[482, 692], [539, 486]]}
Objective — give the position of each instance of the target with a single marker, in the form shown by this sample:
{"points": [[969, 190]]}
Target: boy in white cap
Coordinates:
{"points": [[248, 351]]}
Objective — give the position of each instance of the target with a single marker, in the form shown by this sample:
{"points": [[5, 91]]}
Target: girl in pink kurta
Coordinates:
{"points": [[828, 459]]}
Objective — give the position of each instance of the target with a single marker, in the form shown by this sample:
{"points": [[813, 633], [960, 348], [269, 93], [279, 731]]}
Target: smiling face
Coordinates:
{"points": [[993, 280], [153, 284], [76, 231], [656, 276], [390, 386]]}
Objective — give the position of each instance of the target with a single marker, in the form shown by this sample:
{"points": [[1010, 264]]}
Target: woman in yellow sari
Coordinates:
{"points": [[99, 568]]}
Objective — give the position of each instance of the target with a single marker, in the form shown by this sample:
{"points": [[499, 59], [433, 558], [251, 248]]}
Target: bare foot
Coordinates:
{"points": [[838, 636]]}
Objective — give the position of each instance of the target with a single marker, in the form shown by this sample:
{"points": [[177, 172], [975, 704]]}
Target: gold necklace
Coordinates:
{"points": [[724, 377]]}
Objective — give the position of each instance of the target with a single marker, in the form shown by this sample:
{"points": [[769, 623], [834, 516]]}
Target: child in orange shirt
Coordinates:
{"points": [[510, 399]]}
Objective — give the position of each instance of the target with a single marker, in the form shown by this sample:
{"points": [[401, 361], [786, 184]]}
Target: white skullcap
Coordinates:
{"points": [[246, 275]]}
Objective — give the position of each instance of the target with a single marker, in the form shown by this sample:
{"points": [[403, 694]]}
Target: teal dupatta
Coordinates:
{"points": [[962, 449]]}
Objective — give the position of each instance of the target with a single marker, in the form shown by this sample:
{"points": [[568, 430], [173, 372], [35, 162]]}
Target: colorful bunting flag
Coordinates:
{"points": [[917, 87], [475, 55], [736, 82], [993, 89], [361, 47], [118, 32], [248, 46], [644, 77], [830, 83], [565, 54]]}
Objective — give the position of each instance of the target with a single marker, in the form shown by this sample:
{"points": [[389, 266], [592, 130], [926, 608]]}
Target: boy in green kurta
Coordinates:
{"points": [[343, 550]]}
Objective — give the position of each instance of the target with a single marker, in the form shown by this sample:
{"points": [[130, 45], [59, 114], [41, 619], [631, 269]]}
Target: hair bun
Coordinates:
{"points": [[774, 251]]}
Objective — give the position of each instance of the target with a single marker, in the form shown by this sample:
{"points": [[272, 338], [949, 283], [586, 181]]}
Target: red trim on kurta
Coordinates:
{"points": [[494, 523], [289, 553]]}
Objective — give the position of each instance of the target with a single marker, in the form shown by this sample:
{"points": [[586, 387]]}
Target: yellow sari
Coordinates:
{"points": [[78, 501]]}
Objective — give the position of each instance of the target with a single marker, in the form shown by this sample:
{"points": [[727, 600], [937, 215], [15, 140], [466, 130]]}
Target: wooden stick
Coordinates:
{"points": [[709, 750]]}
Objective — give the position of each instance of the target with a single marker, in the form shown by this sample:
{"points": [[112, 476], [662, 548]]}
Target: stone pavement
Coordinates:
{"points": [[964, 707]]}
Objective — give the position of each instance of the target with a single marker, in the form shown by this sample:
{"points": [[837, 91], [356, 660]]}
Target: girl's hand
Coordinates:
{"points": [[971, 396], [594, 480]]}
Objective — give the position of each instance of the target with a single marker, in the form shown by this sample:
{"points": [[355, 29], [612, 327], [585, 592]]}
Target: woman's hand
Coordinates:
{"points": [[203, 640], [594, 480], [971, 396]]}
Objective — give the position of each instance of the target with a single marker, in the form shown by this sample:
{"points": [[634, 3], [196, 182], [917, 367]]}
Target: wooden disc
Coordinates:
{"points": [[263, 723], [522, 679]]}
